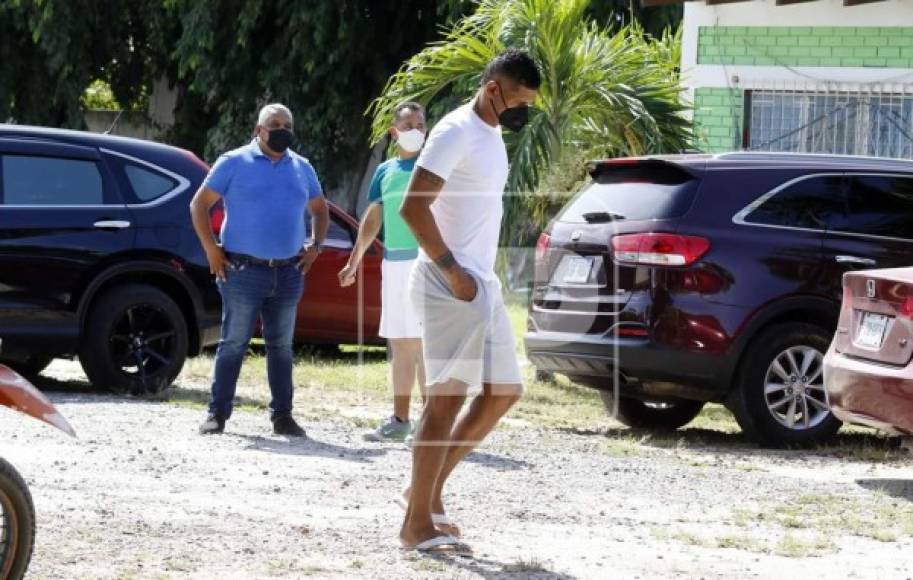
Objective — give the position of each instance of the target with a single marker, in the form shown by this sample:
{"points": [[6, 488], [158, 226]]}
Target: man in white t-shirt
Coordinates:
{"points": [[454, 207]]}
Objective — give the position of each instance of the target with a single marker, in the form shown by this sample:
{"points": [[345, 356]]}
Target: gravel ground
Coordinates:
{"points": [[141, 495]]}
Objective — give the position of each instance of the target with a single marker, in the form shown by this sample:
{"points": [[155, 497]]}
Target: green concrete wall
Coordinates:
{"points": [[844, 46], [718, 117]]}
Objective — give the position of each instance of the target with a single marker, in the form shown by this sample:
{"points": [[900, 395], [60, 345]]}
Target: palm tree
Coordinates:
{"points": [[611, 91]]}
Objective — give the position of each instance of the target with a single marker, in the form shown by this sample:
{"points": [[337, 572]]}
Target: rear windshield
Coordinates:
{"points": [[638, 200]]}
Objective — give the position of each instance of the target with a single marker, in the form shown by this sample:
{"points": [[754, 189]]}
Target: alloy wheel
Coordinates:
{"points": [[794, 388], [142, 343]]}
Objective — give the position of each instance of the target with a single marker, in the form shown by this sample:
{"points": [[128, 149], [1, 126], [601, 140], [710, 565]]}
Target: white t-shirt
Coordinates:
{"points": [[469, 154]]}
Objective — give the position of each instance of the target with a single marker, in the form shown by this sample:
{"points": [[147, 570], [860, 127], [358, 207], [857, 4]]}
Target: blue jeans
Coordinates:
{"points": [[273, 294]]}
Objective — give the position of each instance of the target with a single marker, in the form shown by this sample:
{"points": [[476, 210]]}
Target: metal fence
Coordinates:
{"points": [[873, 120]]}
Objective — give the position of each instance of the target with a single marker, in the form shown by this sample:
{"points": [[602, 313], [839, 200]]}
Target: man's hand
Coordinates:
{"points": [[347, 275], [306, 258], [462, 285], [218, 261]]}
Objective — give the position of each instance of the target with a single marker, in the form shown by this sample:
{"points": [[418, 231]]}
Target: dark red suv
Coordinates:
{"points": [[688, 279]]}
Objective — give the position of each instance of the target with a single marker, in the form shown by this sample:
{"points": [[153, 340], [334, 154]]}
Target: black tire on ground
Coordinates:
{"points": [[135, 340], [754, 399], [18, 515], [658, 416], [31, 366]]}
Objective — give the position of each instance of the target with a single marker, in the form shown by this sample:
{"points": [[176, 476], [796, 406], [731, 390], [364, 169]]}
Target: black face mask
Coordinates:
{"points": [[280, 139], [514, 118]]}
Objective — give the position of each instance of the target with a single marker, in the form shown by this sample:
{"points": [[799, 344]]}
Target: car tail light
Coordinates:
{"points": [[906, 309], [659, 249], [632, 332], [542, 246]]}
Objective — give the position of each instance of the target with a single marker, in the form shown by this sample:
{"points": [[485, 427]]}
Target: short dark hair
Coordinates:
{"points": [[407, 105], [516, 65]]}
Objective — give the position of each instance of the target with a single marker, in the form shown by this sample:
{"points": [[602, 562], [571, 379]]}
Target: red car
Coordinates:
{"points": [[327, 313], [867, 371]]}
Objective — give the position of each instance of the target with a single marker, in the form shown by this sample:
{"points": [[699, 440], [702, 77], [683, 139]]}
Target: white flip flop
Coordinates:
{"points": [[436, 519], [432, 545]]}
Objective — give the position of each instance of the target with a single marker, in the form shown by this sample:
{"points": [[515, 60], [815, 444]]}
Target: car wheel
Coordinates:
{"points": [[779, 398], [31, 366], [135, 340], [655, 416]]}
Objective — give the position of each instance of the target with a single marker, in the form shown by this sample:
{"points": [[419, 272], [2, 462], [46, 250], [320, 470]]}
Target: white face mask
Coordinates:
{"points": [[411, 140]]}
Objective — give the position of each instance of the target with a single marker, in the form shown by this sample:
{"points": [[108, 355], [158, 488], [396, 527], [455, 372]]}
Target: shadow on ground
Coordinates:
{"points": [[850, 446], [310, 448], [899, 488], [496, 461], [494, 570]]}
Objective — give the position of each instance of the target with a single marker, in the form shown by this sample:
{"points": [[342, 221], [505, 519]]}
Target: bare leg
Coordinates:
{"points": [[403, 373], [428, 455], [484, 413], [420, 371]]}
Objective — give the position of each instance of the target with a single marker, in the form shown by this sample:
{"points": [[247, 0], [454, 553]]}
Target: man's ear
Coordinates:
{"points": [[257, 130], [392, 132]]}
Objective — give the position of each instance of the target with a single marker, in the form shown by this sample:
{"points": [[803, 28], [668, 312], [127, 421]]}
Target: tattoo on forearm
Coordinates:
{"points": [[431, 178], [446, 261]]}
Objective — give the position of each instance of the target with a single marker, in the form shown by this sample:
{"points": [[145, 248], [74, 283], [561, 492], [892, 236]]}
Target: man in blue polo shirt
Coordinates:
{"points": [[269, 192]]}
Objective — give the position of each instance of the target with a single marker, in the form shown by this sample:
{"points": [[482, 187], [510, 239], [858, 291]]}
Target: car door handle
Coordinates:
{"points": [[111, 224], [855, 260]]}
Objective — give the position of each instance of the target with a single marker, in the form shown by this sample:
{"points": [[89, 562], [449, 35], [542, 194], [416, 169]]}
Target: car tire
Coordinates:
{"points": [[653, 416], [31, 366], [776, 358], [135, 341]]}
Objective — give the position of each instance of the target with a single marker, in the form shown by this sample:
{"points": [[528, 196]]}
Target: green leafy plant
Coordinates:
{"points": [[615, 92]]}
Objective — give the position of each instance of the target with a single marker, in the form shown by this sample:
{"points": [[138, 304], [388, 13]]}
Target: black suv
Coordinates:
{"points": [[688, 279], [98, 257]]}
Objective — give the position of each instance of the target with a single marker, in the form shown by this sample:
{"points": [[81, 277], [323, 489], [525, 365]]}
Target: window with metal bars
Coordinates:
{"points": [[876, 124]]}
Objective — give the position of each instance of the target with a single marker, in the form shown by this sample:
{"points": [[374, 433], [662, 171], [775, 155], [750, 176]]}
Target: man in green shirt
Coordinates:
{"points": [[399, 320]]}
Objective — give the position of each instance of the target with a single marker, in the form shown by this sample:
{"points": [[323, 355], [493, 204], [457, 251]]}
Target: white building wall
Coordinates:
{"points": [[767, 13]]}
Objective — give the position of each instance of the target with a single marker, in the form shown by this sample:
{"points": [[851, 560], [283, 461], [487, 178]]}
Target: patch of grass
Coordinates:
{"points": [[532, 565], [352, 383], [877, 516], [863, 445], [682, 537], [792, 546], [283, 567], [429, 565]]}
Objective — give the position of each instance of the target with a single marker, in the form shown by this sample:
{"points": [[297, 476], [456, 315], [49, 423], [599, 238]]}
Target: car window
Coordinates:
{"points": [[878, 206], [809, 204], [645, 191], [33, 180], [146, 183]]}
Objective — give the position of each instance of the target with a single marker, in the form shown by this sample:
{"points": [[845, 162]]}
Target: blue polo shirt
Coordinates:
{"points": [[266, 212]]}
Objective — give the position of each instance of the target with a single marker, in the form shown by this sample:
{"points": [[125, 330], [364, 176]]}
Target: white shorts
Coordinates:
{"points": [[472, 342], [398, 317]]}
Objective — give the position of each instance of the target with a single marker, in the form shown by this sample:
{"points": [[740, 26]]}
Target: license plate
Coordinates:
{"points": [[871, 332], [578, 270]]}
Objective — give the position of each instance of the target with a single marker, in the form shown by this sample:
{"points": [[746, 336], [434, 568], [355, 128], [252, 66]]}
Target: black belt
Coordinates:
{"points": [[272, 263]]}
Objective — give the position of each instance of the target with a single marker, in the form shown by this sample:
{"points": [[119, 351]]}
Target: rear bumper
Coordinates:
{"points": [[869, 394], [646, 367]]}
